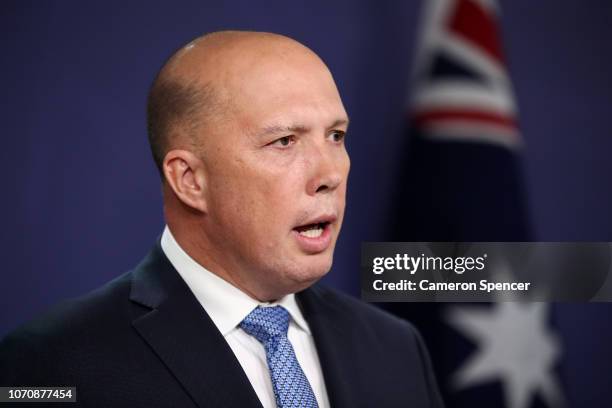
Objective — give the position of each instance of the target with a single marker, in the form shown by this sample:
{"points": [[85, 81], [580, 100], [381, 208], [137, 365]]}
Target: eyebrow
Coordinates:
{"points": [[283, 129], [340, 122], [297, 128]]}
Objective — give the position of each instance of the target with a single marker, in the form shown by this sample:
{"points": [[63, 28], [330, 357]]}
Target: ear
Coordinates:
{"points": [[184, 173]]}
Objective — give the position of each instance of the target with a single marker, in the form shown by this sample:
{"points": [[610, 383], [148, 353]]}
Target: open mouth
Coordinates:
{"points": [[316, 236], [312, 230]]}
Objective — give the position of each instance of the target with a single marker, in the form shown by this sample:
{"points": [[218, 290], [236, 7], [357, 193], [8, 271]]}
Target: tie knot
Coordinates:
{"points": [[264, 323]]}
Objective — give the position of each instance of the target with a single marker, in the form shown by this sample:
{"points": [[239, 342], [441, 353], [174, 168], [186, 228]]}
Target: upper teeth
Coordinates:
{"points": [[312, 233]]}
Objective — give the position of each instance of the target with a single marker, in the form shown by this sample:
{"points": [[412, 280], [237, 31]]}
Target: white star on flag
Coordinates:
{"points": [[515, 346]]}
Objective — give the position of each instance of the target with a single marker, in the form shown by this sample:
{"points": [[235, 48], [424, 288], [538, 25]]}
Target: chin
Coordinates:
{"points": [[296, 275], [312, 269]]}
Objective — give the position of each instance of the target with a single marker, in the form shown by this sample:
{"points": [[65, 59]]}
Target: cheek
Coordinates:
{"points": [[259, 196], [255, 208], [275, 204]]}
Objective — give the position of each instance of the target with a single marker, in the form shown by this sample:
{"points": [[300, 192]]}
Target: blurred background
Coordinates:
{"points": [[470, 120]]}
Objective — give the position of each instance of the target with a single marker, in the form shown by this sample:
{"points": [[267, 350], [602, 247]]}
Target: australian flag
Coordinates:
{"points": [[462, 181], [462, 178]]}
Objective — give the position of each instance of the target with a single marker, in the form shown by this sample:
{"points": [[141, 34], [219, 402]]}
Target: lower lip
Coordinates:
{"points": [[315, 245]]}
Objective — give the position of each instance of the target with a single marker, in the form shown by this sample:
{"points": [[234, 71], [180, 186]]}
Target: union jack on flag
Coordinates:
{"points": [[462, 90]]}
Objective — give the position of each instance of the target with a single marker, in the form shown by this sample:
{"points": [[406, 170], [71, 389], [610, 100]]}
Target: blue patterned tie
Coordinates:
{"points": [[269, 325]]}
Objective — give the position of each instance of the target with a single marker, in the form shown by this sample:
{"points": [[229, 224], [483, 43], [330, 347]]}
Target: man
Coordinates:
{"points": [[247, 130]]}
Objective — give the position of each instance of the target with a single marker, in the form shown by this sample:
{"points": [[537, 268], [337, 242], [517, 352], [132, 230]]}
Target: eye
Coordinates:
{"points": [[284, 141], [337, 135]]}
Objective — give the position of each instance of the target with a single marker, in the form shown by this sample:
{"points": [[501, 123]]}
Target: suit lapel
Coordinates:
{"points": [[184, 337], [333, 343]]}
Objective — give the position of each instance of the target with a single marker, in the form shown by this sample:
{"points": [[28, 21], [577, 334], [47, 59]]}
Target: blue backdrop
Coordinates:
{"points": [[82, 201]]}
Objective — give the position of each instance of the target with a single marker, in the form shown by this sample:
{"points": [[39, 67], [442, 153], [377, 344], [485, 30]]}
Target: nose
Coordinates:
{"points": [[329, 165]]}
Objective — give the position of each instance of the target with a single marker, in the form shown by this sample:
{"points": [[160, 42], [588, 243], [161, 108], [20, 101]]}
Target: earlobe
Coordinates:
{"points": [[184, 174]]}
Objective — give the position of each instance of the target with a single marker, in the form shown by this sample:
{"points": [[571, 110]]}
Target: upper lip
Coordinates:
{"points": [[324, 218]]}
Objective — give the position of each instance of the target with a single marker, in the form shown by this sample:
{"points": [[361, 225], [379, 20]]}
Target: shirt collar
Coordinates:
{"points": [[226, 305]]}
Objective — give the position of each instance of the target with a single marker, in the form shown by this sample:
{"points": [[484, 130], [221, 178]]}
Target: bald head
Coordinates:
{"points": [[199, 84]]}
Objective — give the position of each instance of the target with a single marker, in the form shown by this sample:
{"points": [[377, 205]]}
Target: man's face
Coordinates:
{"points": [[276, 170]]}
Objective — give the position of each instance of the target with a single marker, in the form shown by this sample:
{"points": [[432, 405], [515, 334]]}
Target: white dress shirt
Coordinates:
{"points": [[227, 306]]}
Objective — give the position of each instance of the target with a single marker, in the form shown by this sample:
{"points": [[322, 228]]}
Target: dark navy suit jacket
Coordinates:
{"points": [[143, 340]]}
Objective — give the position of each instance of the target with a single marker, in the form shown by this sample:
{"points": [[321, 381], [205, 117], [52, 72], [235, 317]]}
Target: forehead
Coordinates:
{"points": [[298, 88]]}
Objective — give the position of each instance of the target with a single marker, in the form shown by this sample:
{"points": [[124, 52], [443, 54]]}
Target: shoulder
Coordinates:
{"points": [[93, 309], [368, 339], [363, 319], [67, 330]]}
